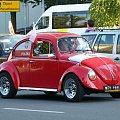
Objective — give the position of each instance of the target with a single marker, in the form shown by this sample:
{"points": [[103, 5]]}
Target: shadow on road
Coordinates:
{"points": [[59, 97]]}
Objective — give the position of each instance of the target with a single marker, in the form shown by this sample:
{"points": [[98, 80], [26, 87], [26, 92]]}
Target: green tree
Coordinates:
{"points": [[13, 14], [105, 13]]}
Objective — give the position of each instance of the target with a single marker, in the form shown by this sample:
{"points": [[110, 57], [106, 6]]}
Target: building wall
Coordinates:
{"points": [[4, 18], [24, 18]]}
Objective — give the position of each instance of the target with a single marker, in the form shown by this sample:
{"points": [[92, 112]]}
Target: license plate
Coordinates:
{"points": [[114, 88]]}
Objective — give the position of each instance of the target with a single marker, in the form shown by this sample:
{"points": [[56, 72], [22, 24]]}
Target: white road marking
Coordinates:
{"points": [[30, 110]]}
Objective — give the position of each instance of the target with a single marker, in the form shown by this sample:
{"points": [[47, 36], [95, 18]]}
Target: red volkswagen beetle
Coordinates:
{"points": [[58, 62]]}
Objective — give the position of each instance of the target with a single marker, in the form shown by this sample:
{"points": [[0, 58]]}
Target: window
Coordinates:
{"points": [[90, 38], [43, 23], [23, 49], [43, 49], [75, 19], [104, 43], [118, 45]]}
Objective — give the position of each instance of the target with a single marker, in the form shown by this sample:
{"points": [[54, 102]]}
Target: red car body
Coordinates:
{"points": [[76, 73]]}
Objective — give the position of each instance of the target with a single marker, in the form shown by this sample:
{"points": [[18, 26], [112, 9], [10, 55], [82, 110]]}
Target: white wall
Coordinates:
{"points": [[24, 18], [4, 18]]}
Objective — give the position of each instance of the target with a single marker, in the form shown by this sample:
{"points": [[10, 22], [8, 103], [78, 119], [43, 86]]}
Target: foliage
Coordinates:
{"points": [[105, 13]]}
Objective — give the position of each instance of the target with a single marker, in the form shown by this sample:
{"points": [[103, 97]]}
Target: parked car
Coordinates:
{"points": [[105, 43], [6, 44], [47, 66]]}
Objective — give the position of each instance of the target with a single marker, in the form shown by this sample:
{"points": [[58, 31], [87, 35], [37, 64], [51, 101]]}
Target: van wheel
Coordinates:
{"points": [[7, 89], [115, 95], [72, 88]]}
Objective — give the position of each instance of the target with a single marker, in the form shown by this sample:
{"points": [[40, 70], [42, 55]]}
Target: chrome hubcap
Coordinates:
{"points": [[70, 88], [4, 85]]}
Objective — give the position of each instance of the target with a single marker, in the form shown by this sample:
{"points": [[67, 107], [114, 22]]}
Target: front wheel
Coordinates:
{"points": [[7, 89], [115, 95], [73, 89]]}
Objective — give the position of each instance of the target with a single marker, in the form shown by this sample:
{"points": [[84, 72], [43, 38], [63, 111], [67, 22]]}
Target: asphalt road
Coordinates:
{"points": [[36, 105]]}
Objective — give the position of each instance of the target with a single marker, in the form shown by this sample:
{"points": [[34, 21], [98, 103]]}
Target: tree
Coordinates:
{"points": [[105, 13], [13, 14]]}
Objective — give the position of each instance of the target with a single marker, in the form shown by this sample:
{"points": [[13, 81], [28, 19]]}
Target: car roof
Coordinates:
{"points": [[102, 32], [55, 35]]}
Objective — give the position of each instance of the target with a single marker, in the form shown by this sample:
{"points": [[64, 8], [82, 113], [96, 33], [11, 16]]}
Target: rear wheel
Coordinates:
{"points": [[115, 95], [7, 89], [72, 88]]}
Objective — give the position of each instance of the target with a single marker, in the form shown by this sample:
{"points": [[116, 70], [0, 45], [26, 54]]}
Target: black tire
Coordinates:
{"points": [[73, 89], [7, 89], [49, 93], [115, 94]]}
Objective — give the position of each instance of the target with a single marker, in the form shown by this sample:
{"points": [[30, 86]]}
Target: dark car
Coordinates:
{"points": [[6, 44]]}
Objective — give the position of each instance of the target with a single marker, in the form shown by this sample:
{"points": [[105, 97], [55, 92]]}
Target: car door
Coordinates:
{"points": [[21, 61], [105, 45], [44, 66], [117, 50]]}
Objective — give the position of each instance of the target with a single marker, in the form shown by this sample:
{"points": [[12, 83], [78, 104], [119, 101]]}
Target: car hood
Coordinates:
{"points": [[105, 68]]}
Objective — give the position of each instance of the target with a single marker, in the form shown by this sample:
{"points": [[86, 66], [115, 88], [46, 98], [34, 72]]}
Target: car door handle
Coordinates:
{"points": [[117, 58], [32, 61]]}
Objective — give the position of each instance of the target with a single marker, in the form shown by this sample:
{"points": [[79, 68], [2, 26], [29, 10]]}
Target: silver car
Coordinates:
{"points": [[106, 43]]}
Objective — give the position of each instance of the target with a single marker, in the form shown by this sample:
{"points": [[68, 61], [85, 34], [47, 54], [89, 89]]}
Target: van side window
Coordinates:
{"points": [[43, 22], [118, 45], [76, 19], [104, 43]]}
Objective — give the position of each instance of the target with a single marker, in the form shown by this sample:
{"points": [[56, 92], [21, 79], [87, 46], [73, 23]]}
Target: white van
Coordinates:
{"points": [[64, 18]]}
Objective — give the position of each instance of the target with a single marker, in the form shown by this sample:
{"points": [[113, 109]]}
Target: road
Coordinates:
{"points": [[35, 105]]}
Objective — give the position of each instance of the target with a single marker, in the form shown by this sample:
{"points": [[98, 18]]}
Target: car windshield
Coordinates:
{"points": [[72, 44], [7, 42]]}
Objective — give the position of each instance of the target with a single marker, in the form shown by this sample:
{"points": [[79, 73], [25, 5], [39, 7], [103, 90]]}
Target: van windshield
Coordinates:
{"points": [[43, 23]]}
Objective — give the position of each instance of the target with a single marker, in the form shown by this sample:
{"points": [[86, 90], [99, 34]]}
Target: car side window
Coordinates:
{"points": [[118, 45], [104, 43], [23, 49], [43, 49], [89, 38]]}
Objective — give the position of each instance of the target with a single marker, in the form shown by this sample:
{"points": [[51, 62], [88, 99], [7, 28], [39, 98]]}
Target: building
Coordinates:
{"points": [[24, 18]]}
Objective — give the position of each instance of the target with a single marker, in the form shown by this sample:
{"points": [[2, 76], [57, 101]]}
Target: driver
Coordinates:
{"points": [[63, 45]]}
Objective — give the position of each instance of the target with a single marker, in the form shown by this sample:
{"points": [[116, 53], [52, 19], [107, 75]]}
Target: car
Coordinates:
{"points": [[44, 65], [7, 42], [105, 43]]}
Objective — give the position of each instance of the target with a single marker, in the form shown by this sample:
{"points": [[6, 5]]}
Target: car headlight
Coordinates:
{"points": [[91, 74]]}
